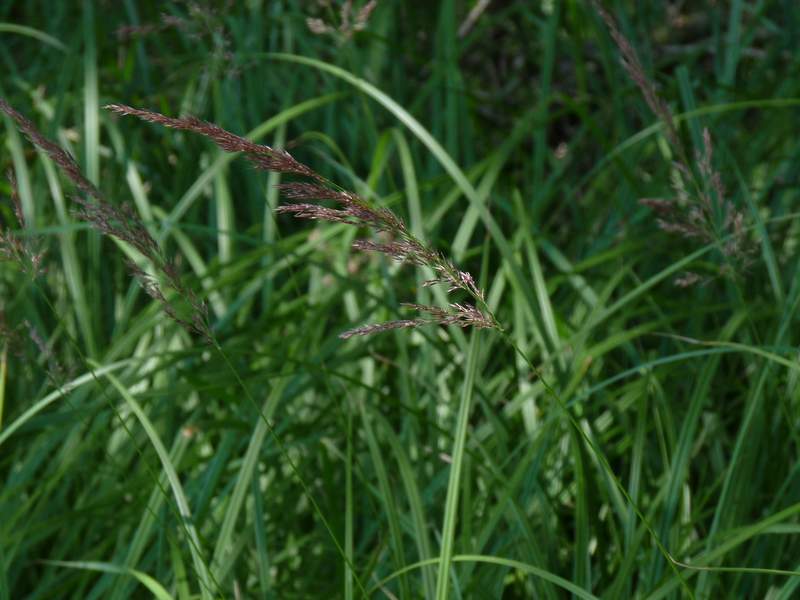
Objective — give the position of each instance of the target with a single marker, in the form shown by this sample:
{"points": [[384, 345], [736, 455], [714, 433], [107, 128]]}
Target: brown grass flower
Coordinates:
{"points": [[55, 371], [305, 201], [22, 251], [700, 209], [462, 315], [349, 23], [57, 154], [121, 223], [260, 155]]}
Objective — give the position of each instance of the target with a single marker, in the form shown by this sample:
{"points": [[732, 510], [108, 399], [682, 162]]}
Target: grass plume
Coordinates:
{"points": [[699, 210], [22, 251], [122, 223], [304, 202]]}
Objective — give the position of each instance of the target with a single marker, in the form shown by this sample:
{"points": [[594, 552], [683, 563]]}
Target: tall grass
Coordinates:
{"points": [[202, 397]]}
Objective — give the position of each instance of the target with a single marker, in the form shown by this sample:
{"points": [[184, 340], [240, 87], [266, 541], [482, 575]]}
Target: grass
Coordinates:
{"points": [[616, 436]]}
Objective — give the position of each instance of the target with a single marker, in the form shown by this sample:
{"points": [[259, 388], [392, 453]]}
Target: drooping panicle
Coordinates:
{"points": [[56, 153], [262, 156], [119, 222], [305, 201]]}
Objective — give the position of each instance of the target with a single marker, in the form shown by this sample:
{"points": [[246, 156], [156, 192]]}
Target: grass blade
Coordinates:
{"points": [[457, 459]]}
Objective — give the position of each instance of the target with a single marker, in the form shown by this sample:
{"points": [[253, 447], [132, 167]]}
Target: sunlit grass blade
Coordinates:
{"points": [[151, 584], [456, 461]]}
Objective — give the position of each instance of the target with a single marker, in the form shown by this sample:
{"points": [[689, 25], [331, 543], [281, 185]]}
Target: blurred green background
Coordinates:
{"points": [[130, 449]]}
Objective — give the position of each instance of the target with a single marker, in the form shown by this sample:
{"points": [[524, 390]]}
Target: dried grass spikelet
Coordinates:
{"points": [[24, 251], [699, 209], [348, 22], [123, 224], [304, 201], [55, 370]]}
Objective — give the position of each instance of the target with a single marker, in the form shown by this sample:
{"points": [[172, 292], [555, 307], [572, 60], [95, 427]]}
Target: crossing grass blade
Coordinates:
{"points": [[153, 586]]}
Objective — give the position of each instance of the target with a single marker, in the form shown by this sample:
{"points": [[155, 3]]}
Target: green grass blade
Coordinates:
{"points": [[457, 458], [505, 562], [151, 584], [388, 499], [3, 375], [185, 512], [34, 33], [40, 405], [224, 555]]}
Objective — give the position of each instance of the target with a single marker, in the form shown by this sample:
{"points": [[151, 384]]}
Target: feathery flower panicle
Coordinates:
{"points": [[633, 66], [461, 315], [706, 216], [23, 251], [305, 202], [382, 327], [121, 223], [400, 251], [703, 214], [260, 155], [688, 279], [57, 154], [196, 321], [166, 21], [55, 371]]}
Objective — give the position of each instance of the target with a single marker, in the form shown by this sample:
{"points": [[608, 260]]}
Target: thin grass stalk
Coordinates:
{"points": [[348, 510], [387, 497], [247, 473], [420, 529], [3, 370], [754, 404], [492, 560]]}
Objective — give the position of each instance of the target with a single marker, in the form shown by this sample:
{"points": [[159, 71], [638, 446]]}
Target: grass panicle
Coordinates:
{"points": [[122, 223], [57, 154], [699, 210], [24, 251], [351, 209], [349, 23]]}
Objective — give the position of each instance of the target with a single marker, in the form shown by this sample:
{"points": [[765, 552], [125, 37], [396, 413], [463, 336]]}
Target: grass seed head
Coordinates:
{"points": [[304, 202]]}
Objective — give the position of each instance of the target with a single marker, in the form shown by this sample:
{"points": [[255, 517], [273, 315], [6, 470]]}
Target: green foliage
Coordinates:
{"points": [[624, 436]]}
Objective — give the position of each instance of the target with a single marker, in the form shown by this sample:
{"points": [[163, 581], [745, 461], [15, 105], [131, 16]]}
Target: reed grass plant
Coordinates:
{"points": [[535, 341]]}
